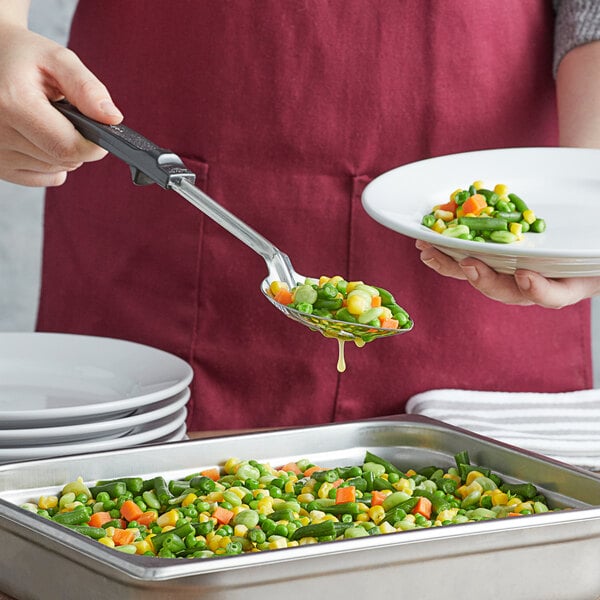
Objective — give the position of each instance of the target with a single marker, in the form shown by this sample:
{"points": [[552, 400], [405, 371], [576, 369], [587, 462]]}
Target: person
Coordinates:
{"points": [[285, 111]]}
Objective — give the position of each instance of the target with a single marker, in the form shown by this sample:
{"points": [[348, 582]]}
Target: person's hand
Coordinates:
{"points": [[38, 145], [524, 288]]}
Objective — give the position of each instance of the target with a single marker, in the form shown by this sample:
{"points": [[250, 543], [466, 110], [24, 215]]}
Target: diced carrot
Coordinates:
{"points": [[130, 511], [377, 498], [388, 323], [211, 473], [423, 507], [337, 483], [148, 517], [222, 515], [123, 537], [375, 301], [514, 514], [283, 296], [475, 204], [99, 518], [291, 466], [449, 206], [312, 470], [345, 494]]}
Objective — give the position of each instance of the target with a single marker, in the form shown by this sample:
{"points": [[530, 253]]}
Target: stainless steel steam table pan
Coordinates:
{"points": [[551, 556]]}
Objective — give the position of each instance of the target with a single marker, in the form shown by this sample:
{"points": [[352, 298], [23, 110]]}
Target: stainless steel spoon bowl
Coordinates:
{"points": [[152, 164]]}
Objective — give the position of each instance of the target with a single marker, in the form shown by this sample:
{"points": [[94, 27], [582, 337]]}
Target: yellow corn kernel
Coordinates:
{"points": [[385, 527], [352, 284], [516, 229], [214, 543], [316, 516], [448, 514], [216, 496], [499, 498], [232, 464], [240, 530], [189, 499], [70, 506], [488, 210], [501, 189], [471, 476], [336, 279], [292, 544], [376, 514], [288, 488], [404, 485], [238, 491], [439, 226], [305, 498], [529, 216], [323, 280], [444, 215], [225, 540], [277, 286], [107, 542], [410, 518], [304, 520], [238, 509], [308, 540], [276, 542], [513, 502], [478, 184], [324, 490], [47, 502], [362, 517], [169, 518], [142, 546]]}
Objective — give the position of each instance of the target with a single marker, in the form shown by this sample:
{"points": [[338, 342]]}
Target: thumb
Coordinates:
{"points": [[83, 89]]}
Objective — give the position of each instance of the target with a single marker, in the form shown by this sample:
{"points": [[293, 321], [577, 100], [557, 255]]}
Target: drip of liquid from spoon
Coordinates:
{"points": [[341, 363]]}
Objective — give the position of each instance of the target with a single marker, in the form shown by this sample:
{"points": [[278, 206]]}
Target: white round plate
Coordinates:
{"points": [[47, 379], [561, 185], [95, 429], [143, 434]]}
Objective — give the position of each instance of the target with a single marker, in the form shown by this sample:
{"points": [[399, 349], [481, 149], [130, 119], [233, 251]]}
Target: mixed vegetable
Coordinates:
{"points": [[484, 215], [249, 506], [348, 301]]}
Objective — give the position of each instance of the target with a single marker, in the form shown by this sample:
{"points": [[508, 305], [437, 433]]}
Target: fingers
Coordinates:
{"points": [[82, 88], [494, 285], [438, 261], [556, 293], [523, 288]]}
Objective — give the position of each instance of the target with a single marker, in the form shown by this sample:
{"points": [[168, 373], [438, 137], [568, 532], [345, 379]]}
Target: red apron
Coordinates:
{"points": [[286, 109]]}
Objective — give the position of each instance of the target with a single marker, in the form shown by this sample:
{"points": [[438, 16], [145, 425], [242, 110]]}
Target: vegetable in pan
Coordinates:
{"points": [[249, 506], [484, 215]]}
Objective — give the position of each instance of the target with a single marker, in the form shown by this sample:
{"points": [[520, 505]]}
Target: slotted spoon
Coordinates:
{"points": [[152, 164]]}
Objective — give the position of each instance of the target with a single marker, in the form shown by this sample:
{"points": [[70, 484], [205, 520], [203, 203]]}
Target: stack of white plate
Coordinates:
{"points": [[64, 394]]}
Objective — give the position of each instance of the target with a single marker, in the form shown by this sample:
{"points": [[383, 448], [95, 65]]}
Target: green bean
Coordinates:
{"points": [[114, 489], [508, 216], [94, 532], [527, 491], [134, 484], [389, 467], [318, 530], [428, 220], [78, 516], [519, 203], [484, 223], [181, 532], [161, 489], [386, 297]]}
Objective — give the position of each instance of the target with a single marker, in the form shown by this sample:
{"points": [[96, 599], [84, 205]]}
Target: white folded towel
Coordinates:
{"points": [[564, 426]]}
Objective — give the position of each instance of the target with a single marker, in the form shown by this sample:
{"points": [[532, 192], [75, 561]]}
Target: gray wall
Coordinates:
{"points": [[21, 212]]}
